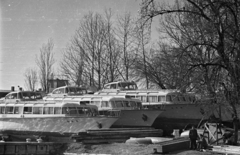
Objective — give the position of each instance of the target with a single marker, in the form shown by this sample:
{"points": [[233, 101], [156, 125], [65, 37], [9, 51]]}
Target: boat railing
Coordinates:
{"points": [[28, 102]]}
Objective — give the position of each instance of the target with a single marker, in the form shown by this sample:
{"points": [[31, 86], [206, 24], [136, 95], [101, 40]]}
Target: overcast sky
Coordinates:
{"points": [[27, 24]]}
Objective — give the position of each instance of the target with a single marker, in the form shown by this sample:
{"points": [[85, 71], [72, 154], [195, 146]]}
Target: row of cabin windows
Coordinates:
{"points": [[114, 104], [70, 91], [24, 95], [169, 98], [46, 110], [120, 86]]}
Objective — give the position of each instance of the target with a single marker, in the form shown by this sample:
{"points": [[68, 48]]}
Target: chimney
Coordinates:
{"points": [[12, 88]]}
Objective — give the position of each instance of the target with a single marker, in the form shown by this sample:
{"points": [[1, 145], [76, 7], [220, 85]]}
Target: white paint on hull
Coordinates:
{"points": [[136, 118], [55, 124]]}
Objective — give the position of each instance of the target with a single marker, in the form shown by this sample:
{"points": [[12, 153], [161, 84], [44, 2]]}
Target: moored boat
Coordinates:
{"points": [[179, 109], [68, 91], [130, 111], [17, 96], [50, 118]]}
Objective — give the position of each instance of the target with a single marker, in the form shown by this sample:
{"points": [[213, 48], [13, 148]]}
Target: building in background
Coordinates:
{"points": [[55, 83], [3, 93]]}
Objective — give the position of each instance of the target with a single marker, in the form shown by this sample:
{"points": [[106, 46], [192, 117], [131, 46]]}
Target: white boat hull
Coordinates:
{"points": [[137, 118], [178, 116], [61, 125]]}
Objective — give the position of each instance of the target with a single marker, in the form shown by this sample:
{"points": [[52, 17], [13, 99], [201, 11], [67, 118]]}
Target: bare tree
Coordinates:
{"points": [[219, 38], [31, 79], [89, 39], [143, 36], [45, 61], [125, 35], [72, 66], [111, 59]]}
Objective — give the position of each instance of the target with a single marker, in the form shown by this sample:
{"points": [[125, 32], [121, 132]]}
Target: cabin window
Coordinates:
{"points": [[11, 96], [133, 104], [97, 103], [144, 98], [173, 98], [120, 86], [138, 97], [25, 95], [69, 110], [73, 110], [57, 110], [130, 96], [65, 110], [139, 104], [38, 96], [95, 111], [33, 95], [107, 87], [105, 104], [152, 99], [169, 98], [27, 110], [58, 91], [61, 91], [118, 103], [112, 104], [85, 102], [186, 98], [55, 91], [80, 91], [16, 110], [161, 98], [126, 104], [37, 110], [87, 110], [80, 110], [8, 96], [193, 99], [113, 86], [48, 110], [114, 113], [9, 110], [2, 110], [132, 86]]}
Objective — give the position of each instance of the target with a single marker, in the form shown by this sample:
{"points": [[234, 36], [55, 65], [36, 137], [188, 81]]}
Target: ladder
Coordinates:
{"points": [[213, 132]]}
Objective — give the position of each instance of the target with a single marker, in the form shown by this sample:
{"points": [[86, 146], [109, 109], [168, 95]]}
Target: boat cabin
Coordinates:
{"points": [[108, 104], [52, 109], [153, 98], [120, 85], [68, 91], [22, 96]]}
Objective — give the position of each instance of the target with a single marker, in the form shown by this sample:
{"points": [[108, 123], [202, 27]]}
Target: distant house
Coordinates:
{"points": [[3, 93], [55, 83]]}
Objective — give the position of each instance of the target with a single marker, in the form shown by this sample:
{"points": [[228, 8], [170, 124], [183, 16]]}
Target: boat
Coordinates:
{"points": [[50, 118], [130, 111], [17, 96], [179, 109], [120, 86], [68, 91]]}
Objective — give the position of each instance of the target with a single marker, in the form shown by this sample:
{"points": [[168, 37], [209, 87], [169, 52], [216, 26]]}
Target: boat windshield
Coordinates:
{"points": [[76, 90], [121, 86], [30, 95], [128, 85]]}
